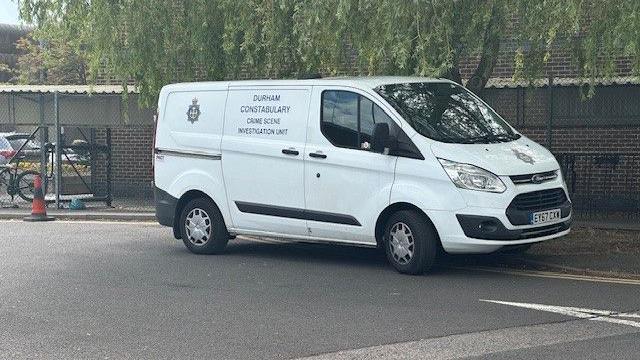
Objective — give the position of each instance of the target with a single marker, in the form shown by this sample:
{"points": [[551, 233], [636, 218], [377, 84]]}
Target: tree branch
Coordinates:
{"points": [[490, 51]]}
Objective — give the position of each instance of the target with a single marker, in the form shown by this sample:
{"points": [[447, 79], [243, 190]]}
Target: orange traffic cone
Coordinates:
{"points": [[38, 207]]}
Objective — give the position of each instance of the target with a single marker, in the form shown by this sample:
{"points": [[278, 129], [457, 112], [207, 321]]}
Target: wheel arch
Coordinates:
{"points": [[394, 208], [182, 202]]}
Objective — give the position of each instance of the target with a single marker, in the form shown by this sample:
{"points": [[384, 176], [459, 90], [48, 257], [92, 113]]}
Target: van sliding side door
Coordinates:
{"points": [[262, 157]]}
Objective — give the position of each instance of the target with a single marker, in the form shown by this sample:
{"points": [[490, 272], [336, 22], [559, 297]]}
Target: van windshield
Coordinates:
{"points": [[447, 112]]}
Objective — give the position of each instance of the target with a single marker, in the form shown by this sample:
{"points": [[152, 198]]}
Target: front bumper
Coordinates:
{"points": [[455, 240], [490, 228]]}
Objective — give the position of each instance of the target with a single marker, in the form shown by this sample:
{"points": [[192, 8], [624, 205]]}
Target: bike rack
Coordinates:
{"points": [[56, 153]]}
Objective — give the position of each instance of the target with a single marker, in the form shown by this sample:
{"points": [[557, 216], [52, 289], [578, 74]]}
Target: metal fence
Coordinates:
{"points": [[596, 139], [64, 134], [603, 184], [84, 170]]}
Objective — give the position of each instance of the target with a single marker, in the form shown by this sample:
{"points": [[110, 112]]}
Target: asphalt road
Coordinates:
{"points": [[107, 290]]}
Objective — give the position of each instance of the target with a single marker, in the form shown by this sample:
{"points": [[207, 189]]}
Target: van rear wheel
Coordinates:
{"points": [[202, 227], [411, 243]]}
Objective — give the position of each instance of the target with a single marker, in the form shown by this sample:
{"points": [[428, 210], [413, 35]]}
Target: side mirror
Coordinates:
{"points": [[382, 141]]}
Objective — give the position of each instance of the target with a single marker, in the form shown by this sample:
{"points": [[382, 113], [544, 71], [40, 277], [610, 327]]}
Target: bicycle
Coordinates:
{"points": [[17, 182]]}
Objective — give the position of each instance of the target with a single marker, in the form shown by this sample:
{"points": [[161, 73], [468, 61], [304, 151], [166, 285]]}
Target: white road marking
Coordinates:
{"points": [[485, 343], [629, 315], [582, 313]]}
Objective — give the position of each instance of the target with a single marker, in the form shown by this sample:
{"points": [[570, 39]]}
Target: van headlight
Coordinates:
{"points": [[466, 176]]}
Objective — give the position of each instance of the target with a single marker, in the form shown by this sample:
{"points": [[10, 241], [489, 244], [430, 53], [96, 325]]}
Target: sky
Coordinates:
{"points": [[9, 12]]}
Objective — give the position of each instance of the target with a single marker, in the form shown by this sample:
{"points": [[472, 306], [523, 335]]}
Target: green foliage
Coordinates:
{"points": [[54, 52], [50, 61], [5, 69], [162, 41]]}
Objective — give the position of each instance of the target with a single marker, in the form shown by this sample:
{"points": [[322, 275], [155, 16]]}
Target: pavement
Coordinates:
{"points": [[100, 289], [128, 212]]}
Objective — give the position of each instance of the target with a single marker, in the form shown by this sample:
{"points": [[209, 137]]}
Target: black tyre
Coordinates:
{"points": [[202, 227], [410, 242], [23, 185]]}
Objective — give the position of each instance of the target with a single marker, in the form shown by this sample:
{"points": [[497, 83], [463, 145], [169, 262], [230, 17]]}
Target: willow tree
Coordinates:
{"points": [[156, 42]]}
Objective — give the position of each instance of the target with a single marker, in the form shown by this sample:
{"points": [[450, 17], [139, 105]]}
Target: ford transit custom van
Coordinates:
{"points": [[410, 165]]}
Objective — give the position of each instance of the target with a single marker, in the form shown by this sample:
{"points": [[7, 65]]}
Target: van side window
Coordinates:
{"points": [[340, 118], [348, 119]]}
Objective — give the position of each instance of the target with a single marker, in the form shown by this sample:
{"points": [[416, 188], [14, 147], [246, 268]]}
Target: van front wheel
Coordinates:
{"points": [[202, 227], [410, 242]]}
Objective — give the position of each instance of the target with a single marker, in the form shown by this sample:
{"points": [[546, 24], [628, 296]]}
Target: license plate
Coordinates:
{"points": [[542, 217]]}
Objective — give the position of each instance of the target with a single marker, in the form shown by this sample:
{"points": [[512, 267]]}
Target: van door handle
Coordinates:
{"points": [[290, 152], [318, 155]]}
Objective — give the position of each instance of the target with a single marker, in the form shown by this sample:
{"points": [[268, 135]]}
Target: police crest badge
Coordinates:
{"points": [[193, 113]]}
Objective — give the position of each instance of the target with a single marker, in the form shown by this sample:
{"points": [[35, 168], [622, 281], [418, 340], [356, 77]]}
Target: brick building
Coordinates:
{"points": [[9, 34]]}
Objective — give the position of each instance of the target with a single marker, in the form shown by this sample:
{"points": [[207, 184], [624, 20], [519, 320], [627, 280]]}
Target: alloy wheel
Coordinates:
{"points": [[401, 243], [198, 226]]}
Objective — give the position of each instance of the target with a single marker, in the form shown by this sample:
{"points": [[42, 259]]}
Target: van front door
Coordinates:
{"points": [[347, 183], [262, 158]]}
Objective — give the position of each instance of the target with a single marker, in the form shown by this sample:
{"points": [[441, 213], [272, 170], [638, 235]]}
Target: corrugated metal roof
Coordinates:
{"points": [[501, 83], [66, 89]]}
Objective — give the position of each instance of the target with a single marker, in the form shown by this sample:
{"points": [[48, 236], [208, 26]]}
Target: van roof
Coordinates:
{"points": [[369, 82]]}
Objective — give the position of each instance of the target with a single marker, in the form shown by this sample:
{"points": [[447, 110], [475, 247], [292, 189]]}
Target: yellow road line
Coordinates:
{"points": [[550, 275]]}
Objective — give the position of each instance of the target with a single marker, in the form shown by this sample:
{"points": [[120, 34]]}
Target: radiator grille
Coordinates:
{"points": [[534, 178], [539, 200]]}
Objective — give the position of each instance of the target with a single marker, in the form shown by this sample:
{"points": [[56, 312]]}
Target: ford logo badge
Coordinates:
{"points": [[537, 178]]}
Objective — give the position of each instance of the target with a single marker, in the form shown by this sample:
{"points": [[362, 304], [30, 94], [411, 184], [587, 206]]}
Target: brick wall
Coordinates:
{"points": [[131, 166], [131, 161], [558, 65], [601, 160]]}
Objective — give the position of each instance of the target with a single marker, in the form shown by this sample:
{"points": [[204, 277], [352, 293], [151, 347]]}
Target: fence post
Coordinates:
{"points": [[44, 151], [550, 119], [58, 164], [108, 141]]}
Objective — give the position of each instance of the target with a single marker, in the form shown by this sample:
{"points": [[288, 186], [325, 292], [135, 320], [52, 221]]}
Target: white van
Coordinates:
{"points": [[411, 165]]}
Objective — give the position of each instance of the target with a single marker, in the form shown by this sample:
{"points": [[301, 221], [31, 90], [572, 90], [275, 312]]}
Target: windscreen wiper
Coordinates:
{"points": [[494, 138], [484, 139]]}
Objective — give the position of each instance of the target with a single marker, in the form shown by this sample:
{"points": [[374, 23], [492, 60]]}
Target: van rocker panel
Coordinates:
{"points": [[293, 213]]}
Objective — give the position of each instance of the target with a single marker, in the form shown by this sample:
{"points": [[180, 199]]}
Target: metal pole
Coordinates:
{"points": [[59, 140], [43, 140], [524, 106], [550, 119], [108, 140], [92, 160]]}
